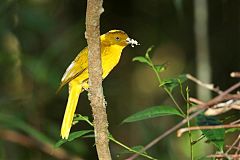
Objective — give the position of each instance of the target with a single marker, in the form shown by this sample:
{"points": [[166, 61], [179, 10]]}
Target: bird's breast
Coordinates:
{"points": [[110, 58]]}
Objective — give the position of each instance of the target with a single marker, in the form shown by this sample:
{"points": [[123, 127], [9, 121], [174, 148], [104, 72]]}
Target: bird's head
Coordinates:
{"points": [[117, 37]]}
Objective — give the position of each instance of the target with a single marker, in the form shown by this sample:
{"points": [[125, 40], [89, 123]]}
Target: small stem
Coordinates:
{"points": [[168, 92], [119, 143], [130, 149], [189, 125], [156, 72], [89, 122], [174, 101]]}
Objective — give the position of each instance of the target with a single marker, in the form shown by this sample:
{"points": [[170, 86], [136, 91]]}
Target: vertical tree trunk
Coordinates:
{"points": [[94, 10], [202, 48]]}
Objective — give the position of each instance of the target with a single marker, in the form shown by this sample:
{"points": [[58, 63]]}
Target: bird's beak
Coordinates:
{"points": [[132, 42]]}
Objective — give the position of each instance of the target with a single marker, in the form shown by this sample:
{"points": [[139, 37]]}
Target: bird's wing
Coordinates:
{"points": [[78, 66]]}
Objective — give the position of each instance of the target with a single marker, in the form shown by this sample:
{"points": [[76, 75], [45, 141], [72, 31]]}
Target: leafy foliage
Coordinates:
{"points": [[160, 67], [152, 112], [141, 60], [172, 83], [216, 136]]}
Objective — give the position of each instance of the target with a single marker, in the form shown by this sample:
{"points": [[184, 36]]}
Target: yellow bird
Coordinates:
{"points": [[76, 75]]}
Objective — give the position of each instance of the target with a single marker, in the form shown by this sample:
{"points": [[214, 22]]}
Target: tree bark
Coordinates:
{"points": [[94, 10]]}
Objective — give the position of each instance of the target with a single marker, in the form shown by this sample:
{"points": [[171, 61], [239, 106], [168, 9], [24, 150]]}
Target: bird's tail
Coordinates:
{"points": [[70, 109]]}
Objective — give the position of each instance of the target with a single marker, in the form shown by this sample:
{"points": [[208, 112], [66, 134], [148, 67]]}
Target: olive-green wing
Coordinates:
{"points": [[75, 69]]}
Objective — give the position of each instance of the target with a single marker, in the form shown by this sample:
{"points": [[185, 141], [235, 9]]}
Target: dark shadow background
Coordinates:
{"points": [[40, 38]]}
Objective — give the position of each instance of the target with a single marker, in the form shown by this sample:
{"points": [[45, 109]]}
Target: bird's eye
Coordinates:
{"points": [[117, 38]]}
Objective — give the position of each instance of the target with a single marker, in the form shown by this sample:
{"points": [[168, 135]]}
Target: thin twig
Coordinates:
{"points": [[238, 148], [232, 96], [182, 130], [189, 125], [220, 107], [232, 156], [235, 74], [234, 143], [217, 99], [30, 142], [223, 107], [235, 122], [205, 85], [233, 147], [199, 139], [165, 88], [195, 100]]}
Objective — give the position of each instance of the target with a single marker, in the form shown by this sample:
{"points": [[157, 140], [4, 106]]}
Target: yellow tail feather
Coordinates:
{"points": [[70, 109]]}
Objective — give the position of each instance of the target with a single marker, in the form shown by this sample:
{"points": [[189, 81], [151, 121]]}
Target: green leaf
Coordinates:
{"points": [[72, 136], [89, 136], [160, 68], [141, 59], [216, 136], [79, 117], [172, 83], [152, 112], [148, 51]]}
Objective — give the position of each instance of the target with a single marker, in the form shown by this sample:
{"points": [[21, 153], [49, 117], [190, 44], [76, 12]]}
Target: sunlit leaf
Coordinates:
{"points": [[148, 51], [141, 59], [152, 112], [172, 83], [79, 117], [160, 67], [216, 136], [73, 136]]}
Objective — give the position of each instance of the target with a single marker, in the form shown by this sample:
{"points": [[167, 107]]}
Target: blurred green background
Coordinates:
{"points": [[40, 38]]}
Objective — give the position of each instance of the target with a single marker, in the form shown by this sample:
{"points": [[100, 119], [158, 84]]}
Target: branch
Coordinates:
{"points": [[94, 10], [235, 74], [234, 143], [196, 101], [231, 156], [183, 130], [30, 142], [205, 85], [232, 147], [215, 100], [235, 122], [221, 108]]}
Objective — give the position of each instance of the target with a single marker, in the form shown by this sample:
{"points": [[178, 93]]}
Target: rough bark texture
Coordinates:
{"points": [[94, 10]]}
